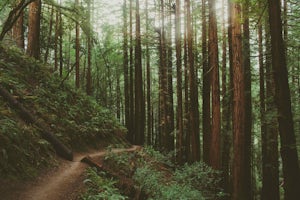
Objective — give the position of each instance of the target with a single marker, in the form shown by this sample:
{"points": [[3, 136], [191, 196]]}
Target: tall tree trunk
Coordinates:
{"points": [[118, 95], [56, 40], [240, 189], [179, 117], [193, 108], [131, 78], [163, 82], [270, 176], [187, 122], [18, 30], [215, 156], [230, 100], [60, 45], [291, 171], [89, 58], [49, 35], [125, 67], [139, 98], [33, 48], [248, 99], [148, 74], [225, 110], [206, 119], [77, 48], [170, 101]]}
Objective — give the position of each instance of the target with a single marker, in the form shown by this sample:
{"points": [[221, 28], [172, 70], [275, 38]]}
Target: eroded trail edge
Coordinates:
{"points": [[67, 181]]}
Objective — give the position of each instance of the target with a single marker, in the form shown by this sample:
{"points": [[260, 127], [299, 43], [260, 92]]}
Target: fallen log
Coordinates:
{"points": [[29, 118], [125, 184]]}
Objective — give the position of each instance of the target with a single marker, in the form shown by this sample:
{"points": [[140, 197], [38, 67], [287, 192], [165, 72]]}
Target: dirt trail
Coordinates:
{"points": [[66, 182]]}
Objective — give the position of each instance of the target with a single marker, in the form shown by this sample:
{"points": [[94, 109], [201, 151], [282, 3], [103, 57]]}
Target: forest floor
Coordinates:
{"points": [[63, 182]]}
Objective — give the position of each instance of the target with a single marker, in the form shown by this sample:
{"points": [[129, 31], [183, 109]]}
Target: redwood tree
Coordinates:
{"points": [[291, 171], [33, 48], [193, 107], [139, 98], [239, 190], [18, 30], [206, 122], [179, 83], [215, 158]]}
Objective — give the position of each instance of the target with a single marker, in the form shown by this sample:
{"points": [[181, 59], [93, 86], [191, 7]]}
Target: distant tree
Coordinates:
{"points": [[34, 18], [139, 97], [193, 107], [179, 117], [248, 98], [206, 78], [215, 154], [148, 78], [77, 51], [18, 30], [49, 35], [131, 73], [226, 106], [125, 66], [89, 49], [169, 62]]}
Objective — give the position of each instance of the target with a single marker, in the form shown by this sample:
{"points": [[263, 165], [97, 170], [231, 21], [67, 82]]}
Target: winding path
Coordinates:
{"points": [[66, 182]]}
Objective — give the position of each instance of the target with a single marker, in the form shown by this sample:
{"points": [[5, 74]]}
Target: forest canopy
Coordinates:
{"points": [[208, 80]]}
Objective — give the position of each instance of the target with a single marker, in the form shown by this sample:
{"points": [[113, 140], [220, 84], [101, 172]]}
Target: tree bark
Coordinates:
{"points": [[125, 66], [18, 30], [248, 99], [33, 47], [206, 77], [170, 100], [239, 168], [148, 71], [89, 58], [77, 52], [131, 77], [179, 84], [270, 164], [139, 98], [288, 149], [215, 156], [193, 108]]}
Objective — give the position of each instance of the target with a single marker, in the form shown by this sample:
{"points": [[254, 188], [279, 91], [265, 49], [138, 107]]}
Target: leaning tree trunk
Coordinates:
{"points": [[28, 117]]}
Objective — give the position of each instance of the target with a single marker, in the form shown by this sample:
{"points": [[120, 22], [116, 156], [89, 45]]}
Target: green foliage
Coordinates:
{"points": [[99, 187], [22, 151], [155, 185], [201, 177], [159, 157], [77, 120]]}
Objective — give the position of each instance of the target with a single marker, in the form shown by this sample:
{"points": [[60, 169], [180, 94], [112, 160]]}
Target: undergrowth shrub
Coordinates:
{"points": [[22, 151], [75, 119], [157, 186], [100, 187], [201, 177]]}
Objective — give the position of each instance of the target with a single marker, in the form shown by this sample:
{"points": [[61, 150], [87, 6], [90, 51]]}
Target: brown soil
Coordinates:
{"points": [[63, 183]]}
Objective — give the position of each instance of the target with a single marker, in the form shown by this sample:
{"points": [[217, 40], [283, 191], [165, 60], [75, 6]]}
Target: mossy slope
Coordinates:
{"points": [[77, 120]]}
